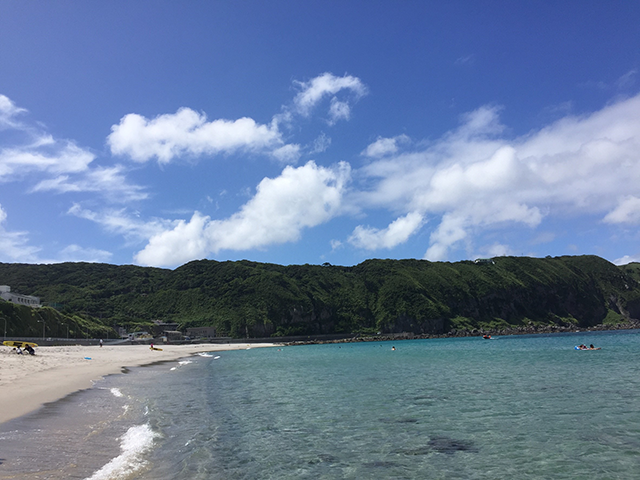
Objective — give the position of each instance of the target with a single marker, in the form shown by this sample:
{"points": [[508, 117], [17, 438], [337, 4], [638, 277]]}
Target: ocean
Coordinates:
{"points": [[525, 407]]}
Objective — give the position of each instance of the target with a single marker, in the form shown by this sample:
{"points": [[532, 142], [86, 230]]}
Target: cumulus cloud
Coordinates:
{"points": [[451, 230], [328, 85], [282, 207], [287, 153], [627, 259], [473, 178], [186, 241], [338, 111], [627, 211], [188, 132], [395, 234], [385, 146]]}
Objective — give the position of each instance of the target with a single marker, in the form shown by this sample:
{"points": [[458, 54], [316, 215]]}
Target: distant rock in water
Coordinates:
{"points": [[450, 446], [381, 464], [399, 420]]}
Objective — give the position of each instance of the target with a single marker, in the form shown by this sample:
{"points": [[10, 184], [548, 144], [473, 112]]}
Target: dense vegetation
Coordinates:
{"points": [[248, 299]]}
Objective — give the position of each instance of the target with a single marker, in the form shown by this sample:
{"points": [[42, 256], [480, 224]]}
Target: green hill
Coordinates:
{"points": [[249, 299]]}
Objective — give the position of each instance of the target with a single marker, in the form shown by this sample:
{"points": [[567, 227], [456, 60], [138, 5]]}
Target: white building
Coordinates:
{"points": [[26, 300]]}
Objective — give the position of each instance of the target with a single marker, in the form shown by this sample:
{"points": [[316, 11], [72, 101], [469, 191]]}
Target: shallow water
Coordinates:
{"points": [[527, 407]]}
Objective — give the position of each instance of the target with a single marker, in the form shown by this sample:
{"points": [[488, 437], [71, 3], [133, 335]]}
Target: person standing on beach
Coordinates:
{"points": [[100, 343]]}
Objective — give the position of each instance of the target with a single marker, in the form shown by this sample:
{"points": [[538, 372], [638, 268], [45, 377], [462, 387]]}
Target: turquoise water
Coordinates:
{"points": [[527, 407]]}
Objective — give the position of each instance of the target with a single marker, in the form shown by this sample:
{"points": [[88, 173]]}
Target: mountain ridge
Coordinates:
{"points": [[250, 299]]}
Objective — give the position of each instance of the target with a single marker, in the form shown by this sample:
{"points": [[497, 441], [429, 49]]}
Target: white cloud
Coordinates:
{"points": [[75, 253], [36, 152], [465, 60], [287, 153], [396, 233], [328, 85], [56, 165], [479, 123], [109, 182], [385, 146], [8, 112], [451, 230], [321, 144], [188, 133], [627, 80], [627, 259], [627, 211], [120, 222], [61, 157], [624, 82], [186, 241], [282, 207], [338, 111], [14, 246], [472, 178]]}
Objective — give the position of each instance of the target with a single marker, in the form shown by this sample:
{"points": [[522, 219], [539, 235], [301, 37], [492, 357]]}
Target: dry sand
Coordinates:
{"points": [[29, 381]]}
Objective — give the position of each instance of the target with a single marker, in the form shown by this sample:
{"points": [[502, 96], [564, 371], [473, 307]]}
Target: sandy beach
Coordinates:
{"points": [[27, 381]]}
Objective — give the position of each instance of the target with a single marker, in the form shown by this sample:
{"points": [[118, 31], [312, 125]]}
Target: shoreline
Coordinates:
{"points": [[519, 330], [28, 382]]}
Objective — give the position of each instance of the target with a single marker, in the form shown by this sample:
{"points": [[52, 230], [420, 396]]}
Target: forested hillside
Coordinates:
{"points": [[248, 299]]}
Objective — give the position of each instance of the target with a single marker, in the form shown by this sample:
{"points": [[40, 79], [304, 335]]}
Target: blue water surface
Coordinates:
{"points": [[513, 407], [526, 407]]}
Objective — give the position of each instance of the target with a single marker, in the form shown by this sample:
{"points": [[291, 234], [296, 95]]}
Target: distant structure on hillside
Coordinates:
{"points": [[484, 260], [26, 300], [206, 332], [161, 328]]}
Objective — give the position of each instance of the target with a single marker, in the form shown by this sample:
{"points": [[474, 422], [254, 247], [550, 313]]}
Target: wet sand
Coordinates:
{"points": [[29, 381]]}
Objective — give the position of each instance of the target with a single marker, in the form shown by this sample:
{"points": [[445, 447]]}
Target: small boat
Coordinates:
{"points": [[486, 337]]}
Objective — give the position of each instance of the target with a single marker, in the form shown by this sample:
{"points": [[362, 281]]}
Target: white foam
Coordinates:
{"points": [[136, 442], [116, 392], [202, 354], [181, 363]]}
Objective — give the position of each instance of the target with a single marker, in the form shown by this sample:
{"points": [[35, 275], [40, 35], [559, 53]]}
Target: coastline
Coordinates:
{"points": [[28, 382], [516, 330]]}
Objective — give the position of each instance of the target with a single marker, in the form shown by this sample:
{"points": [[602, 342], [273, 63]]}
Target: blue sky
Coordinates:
{"points": [[158, 132]]}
